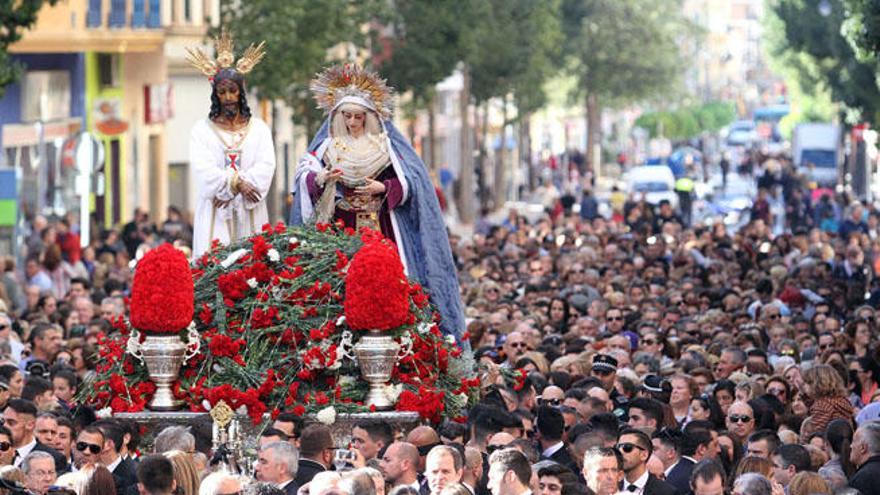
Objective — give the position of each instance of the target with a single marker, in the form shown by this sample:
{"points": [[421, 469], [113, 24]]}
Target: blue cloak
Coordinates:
{"points": [[421, 231]]}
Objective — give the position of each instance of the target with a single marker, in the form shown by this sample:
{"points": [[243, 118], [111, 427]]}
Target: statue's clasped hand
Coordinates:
{"points": [[372, 187], [249, 191], [328, 175]]}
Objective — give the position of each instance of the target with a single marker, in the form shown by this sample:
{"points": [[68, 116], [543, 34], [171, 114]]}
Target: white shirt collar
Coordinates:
{"points": [[113, 465], [670, 468], [553, 449], [282, 486], [640, 483], [24, 450]]}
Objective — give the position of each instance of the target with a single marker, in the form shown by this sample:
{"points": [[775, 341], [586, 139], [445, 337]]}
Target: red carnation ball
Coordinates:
{"points": [[162, 294], [376, 289]]}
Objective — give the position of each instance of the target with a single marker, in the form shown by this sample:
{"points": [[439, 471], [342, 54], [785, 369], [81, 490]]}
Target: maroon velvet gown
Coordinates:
{"points": [[392, 197]]}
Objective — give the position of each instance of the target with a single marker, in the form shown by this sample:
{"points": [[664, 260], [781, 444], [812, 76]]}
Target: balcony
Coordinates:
{"points": [[121, 14]]}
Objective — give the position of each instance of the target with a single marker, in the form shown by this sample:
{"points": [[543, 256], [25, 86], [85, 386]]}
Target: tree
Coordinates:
{"points": [[298, 35], [516, 48], [815, 50], [15, 17], [622, 51], [419, 46]]}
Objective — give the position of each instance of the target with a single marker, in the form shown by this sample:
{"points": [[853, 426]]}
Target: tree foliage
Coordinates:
{"points": [[862, 27], [514, 49], [688, 122], [15, 17], [420, 45], [624, 51], [298, 34], [814, 48]]}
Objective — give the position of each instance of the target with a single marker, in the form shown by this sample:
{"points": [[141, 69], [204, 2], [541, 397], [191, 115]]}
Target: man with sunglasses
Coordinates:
{"points": [[636, 448], [89, 444], [514, 347], [7, 453], [740, 420]]}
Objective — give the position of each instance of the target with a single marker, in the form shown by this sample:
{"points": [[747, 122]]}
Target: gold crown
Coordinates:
{"points": [[225, 56], [339, 81]]}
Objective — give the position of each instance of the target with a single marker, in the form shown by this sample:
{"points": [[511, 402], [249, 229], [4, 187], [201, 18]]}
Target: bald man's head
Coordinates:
{"points": [[405, 451], [424, 438], [423, 435]]}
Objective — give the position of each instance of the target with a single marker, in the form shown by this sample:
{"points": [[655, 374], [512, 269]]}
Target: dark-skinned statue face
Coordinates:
{"points": [[228, 93]]}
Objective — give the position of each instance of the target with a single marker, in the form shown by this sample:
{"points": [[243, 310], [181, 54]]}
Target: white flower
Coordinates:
{"points": [[292, 240], [206, 405], [340, 320], [450, 340], [336, 365], [392, 392], [233, 257], [252, 283], [273, 255], [104, 413], [424, 328], [327, 415], [132, 264], [242, 410], [347, 380]]}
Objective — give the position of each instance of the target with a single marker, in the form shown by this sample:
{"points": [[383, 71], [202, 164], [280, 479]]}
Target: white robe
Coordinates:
{"points": [[207, 159]]}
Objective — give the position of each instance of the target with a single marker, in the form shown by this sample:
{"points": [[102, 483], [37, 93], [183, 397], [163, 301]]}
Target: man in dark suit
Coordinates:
{"points": [[635, 447], [20, 417], [155, 475], [550, 427], [866, 457], [667, 448], [277, 464], [315, 454], [123, 470]]}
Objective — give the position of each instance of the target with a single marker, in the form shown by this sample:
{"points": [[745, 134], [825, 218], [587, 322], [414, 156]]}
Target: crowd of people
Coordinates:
{"points": [[657, 358]]}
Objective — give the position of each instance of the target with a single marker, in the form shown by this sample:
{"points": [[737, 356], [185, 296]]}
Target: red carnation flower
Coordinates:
{"points": [[162, 299], [376, 289]]}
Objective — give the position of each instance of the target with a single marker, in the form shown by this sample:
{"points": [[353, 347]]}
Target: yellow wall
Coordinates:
{"points": [[94, 91]]}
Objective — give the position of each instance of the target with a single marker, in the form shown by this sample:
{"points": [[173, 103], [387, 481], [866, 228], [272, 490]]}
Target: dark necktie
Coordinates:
{"points": [[632, 488]]}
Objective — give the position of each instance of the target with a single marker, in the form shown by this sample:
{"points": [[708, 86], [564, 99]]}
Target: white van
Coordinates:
{"points": [[655, 181]]}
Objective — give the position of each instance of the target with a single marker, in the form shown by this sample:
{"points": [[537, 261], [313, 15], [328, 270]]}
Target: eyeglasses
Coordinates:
{"points": [[93, 448], [551, 402], [649, 342], [4, 327], [628, 447], [774, 316], [739, 419], [4, 446], [822, 347], [424, 449], [39, 473], [492, 448], [614, 318], [519, 345]]}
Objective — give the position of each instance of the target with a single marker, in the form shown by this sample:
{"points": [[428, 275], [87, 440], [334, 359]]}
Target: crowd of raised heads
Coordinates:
{"points": [[632, 354]]}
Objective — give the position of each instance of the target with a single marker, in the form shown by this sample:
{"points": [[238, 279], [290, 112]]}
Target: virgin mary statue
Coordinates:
{"points": [[361, 170]]}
